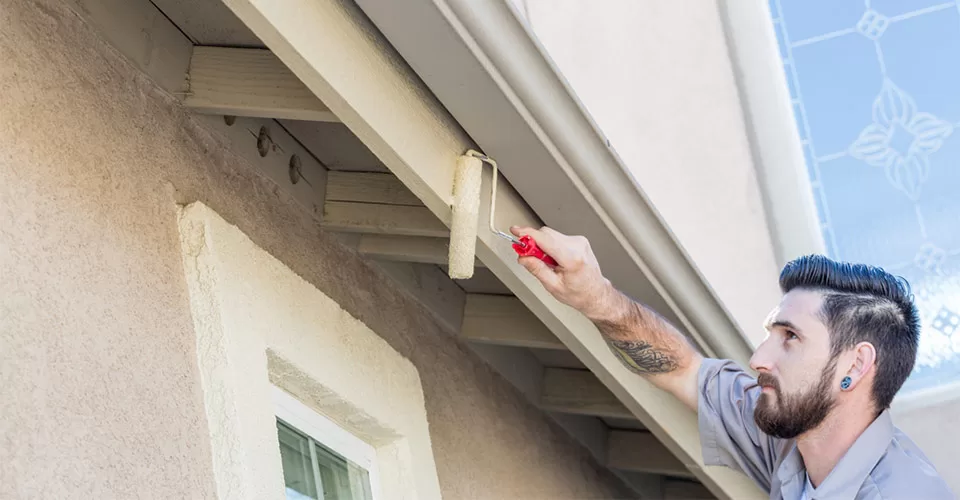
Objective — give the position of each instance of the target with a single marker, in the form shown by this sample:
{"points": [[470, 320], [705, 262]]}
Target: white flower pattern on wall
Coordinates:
{"points": [[881, 143]]}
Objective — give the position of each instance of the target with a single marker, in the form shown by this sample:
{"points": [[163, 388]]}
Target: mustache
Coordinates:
{"points": [[766, 380]]}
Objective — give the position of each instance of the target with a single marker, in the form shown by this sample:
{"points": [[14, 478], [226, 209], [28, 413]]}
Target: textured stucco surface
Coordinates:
{"points": [[258, 322], [658, 80], [99, 385]]}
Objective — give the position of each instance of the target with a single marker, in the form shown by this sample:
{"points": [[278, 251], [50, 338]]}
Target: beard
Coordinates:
{"points": [[788, 416]]}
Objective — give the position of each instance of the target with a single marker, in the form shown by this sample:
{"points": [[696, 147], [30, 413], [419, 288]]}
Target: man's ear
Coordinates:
{"points": [[864, 359]]}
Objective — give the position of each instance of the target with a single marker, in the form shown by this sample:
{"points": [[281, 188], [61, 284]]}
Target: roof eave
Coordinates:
{"points": [[495, 79]]}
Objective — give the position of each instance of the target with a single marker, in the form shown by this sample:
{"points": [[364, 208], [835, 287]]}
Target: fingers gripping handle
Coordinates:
{"points": [[526, 247]]}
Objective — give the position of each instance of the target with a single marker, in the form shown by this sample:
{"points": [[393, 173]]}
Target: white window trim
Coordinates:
{"points": [[259, 325], [328, 433]]}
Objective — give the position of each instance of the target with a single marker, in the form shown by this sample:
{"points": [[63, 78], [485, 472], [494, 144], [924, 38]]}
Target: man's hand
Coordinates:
{"points": [[643, 341], [577, 280]]}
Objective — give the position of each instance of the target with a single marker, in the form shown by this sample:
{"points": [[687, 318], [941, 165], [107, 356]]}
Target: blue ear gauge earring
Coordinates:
{"points": [[845, 383]]}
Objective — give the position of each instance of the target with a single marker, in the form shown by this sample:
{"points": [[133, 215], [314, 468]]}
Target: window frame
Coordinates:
{"points": [[327, 433]]}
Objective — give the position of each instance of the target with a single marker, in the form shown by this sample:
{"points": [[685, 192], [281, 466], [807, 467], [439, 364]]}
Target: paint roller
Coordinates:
{"points": [[466, 214]]}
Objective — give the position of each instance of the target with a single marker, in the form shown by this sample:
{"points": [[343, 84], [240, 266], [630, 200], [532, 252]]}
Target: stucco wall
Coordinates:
{"points": [[932, 427], [658, 80], [99, 388]]}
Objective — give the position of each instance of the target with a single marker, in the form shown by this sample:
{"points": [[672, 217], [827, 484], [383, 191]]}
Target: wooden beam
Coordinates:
{"points": [[483, 281], [369, 187], [335, 145], [249, 82], [310, 175], [144, 35], [504, 320], [430, 286], [419, 249], [336, 51], [382, 219], [641, 451], [579, 392]]}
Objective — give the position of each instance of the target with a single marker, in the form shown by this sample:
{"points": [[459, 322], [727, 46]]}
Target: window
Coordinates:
{"points": [[320, 459], [874, 92]]}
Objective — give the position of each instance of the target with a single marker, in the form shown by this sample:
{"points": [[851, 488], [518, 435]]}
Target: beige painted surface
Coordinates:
{"points": [[931, 421], [99, 386], [657, 79], [771, 129]]}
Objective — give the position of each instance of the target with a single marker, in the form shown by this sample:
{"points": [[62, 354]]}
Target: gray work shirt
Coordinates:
{"points": [[883, 463]]}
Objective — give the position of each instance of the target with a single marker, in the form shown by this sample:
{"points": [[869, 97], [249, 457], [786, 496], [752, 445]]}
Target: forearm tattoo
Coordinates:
{"points": [[642, 341], [641, 357]]}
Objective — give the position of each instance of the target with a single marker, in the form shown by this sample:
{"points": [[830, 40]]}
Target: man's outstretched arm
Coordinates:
{"points": [[645, 342]]}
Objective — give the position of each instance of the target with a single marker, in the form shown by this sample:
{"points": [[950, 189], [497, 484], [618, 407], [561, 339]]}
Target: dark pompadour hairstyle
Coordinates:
{"points": [[863, 303]]}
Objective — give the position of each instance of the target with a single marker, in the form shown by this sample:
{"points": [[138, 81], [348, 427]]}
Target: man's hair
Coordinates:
{"points": [[863, 303]]}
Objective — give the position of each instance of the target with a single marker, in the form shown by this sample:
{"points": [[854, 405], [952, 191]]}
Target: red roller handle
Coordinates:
{"points": [[526, 247]]}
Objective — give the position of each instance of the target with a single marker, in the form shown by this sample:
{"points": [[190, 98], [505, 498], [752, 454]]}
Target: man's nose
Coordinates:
{"points": [[762, 359]]}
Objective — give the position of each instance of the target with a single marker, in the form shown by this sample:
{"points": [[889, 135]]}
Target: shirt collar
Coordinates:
{"points": [[846, 478]]}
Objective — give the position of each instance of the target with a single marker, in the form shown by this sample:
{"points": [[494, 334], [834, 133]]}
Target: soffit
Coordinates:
{"points": [[208, 22]]}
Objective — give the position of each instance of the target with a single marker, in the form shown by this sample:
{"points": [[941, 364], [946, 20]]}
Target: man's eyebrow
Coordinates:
{"points": [[782, 323]]}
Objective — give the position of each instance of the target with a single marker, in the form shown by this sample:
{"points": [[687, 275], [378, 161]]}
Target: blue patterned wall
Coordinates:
{"points": [[876, 92]]}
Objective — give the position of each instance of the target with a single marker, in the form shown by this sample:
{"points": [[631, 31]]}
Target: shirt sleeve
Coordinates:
{"points": [[728, 434]]}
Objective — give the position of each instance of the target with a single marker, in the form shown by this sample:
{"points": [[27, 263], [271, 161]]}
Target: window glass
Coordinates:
{"points": [[313, 471], [874, 90], [298, 475], [342, 479]]}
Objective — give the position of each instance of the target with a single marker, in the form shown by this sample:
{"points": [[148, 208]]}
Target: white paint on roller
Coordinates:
{"points": [[466, 212]]}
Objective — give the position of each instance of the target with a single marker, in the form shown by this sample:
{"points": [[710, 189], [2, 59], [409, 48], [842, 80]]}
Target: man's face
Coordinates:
{"points": [[796, 375]]}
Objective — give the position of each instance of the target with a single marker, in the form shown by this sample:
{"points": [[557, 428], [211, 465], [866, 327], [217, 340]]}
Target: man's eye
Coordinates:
{"points": [[792, 336]]}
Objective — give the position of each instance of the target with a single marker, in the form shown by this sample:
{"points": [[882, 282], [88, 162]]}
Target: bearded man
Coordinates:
{"points": [[815, 422]]}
